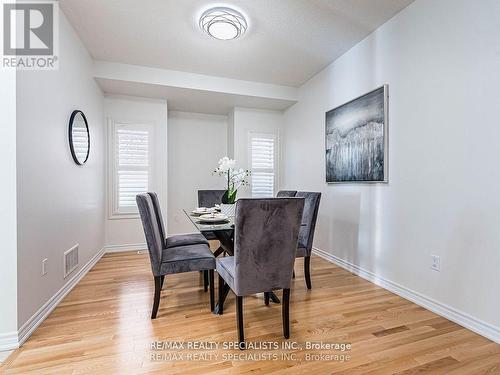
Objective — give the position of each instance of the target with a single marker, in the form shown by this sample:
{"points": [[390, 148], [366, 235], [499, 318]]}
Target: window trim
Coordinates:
{"points": [[275, 136], [112, 171]]}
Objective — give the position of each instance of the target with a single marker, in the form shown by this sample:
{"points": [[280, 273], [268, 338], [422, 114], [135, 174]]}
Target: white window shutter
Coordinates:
{"points": [[131, 183], [132, 165], [263, 151]]}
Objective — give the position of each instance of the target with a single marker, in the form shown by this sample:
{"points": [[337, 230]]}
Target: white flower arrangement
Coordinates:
{"points": [[235, 178]]}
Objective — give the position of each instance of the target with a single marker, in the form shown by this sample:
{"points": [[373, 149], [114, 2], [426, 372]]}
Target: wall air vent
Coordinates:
{"points": [[70, 260]]}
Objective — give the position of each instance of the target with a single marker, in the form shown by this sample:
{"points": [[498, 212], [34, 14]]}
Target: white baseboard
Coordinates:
{"points": [[13, 341], [480, 327], [122, 248], [8, 341]]}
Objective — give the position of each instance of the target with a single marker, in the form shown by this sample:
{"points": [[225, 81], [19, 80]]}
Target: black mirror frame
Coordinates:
{"points": [[70, 135]]}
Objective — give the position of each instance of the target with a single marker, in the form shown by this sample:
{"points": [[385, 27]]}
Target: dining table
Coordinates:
{"points": [[224, 232]]}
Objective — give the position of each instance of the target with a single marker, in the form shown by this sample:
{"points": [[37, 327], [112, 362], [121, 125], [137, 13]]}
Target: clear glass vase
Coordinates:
{"points": [[228, 209]]}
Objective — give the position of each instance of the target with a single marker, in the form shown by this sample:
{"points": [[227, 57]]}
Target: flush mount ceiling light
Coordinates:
{"points": [[223, 23]]}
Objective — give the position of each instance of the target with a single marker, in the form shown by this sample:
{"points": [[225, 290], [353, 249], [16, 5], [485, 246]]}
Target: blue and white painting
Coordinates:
{"points": [[356, 139]]}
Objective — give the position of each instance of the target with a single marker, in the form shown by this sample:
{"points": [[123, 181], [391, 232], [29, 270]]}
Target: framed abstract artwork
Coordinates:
{"points": [[356, 139]]}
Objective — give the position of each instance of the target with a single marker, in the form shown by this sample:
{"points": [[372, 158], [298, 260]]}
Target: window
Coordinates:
{"points": [[131, 160], [263, 161]]}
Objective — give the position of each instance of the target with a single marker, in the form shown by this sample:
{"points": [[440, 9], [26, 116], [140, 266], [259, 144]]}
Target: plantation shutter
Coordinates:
{"points": [[132, 157], [263, 165]]}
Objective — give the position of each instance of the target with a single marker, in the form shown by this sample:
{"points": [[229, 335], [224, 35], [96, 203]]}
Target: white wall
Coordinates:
{"points": [[196, 142], [8, 223], [129, 231], [248, 120], [441, 60], [59, 203], [230, 134]]}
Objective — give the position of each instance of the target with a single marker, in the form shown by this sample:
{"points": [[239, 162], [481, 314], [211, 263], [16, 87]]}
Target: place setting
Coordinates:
{"points": [[209, 215], [213, 217], [200, 211]]}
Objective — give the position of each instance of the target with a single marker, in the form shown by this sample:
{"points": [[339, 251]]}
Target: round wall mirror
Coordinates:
{"points": [[79, 137]]}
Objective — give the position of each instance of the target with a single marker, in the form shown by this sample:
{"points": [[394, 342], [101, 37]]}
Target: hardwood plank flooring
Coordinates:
{"points": [[103, 327]]}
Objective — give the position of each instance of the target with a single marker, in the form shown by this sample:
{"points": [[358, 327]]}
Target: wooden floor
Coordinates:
{"points": [[103, 327]]}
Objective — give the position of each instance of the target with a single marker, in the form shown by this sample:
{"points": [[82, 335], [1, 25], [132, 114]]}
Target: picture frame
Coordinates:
{"points": [[357, 139]]}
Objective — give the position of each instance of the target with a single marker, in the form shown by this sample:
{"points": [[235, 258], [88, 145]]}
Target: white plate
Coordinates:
{"points": [[208, 218]]}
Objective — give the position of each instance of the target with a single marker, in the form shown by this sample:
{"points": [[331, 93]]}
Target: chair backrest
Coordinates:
{"points": [[286, 193], [311, 208], [151, 230], [265, 243], [159, 218], [209, 198]]}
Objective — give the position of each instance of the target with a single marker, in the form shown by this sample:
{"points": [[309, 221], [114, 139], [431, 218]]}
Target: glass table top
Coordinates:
{"points": [[202, 227]]}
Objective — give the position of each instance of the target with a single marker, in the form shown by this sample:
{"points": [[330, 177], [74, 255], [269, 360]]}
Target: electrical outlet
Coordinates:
{"points": [[435, 263], [44, 267]]}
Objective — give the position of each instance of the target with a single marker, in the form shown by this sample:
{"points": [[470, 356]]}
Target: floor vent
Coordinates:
{"points": [[70, 260]]}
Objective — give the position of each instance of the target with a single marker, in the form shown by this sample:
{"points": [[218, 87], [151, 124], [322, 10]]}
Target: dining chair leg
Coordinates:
{"points": [[205, 280], [266, 298], [156, 301], [274, 298], [162, 280], [221, 296], [307, 271], [212, 297], [285, 311], [239, 313], [219, 251]]}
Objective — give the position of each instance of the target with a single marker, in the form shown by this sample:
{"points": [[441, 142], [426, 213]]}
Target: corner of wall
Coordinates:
{"points": [[8, 211]]}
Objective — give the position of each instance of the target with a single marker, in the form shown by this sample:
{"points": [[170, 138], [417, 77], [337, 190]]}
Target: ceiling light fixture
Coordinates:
{"points": [[223, 23]]}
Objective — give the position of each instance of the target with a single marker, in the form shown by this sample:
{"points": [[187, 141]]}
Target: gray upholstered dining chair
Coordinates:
{"points": [[179, 239], [167, 260], [209, 198], [306, 234], [265, 242], [286, 193]]}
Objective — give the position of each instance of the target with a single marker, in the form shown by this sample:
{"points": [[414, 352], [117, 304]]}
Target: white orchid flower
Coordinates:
{"points": [[235, 177], [231, 163]]}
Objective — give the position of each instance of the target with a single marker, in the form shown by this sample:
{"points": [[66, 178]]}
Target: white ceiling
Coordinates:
{"points": [[287, 42]]}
